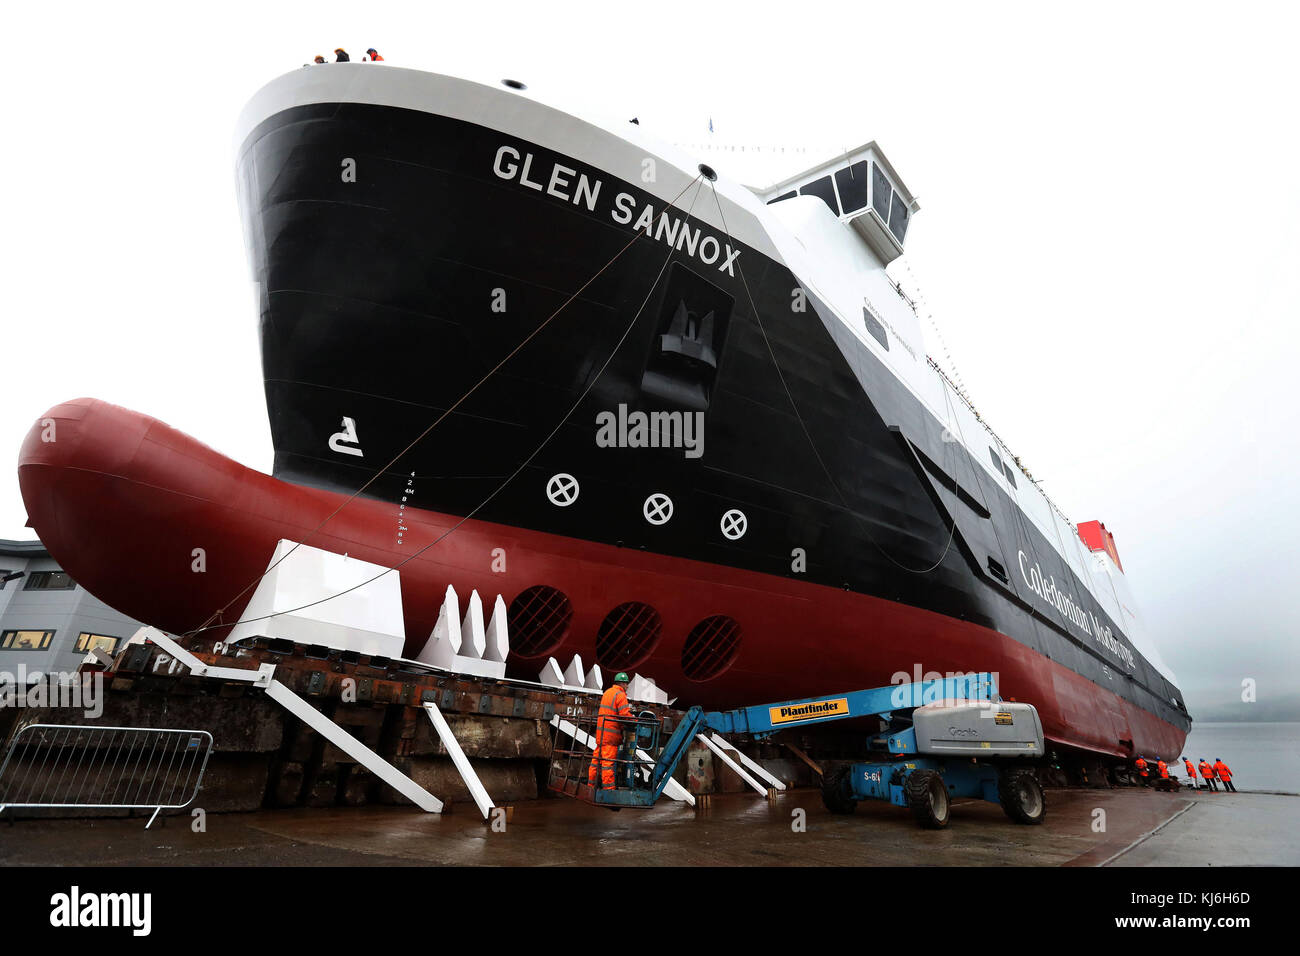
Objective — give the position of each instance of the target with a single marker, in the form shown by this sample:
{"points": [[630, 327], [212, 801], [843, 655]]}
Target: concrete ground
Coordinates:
{"points": [[1083, 828], [1225, 829]]}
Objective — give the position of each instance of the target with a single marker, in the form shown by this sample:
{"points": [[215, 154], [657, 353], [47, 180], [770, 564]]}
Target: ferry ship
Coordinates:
{"points": [[685, 427]]}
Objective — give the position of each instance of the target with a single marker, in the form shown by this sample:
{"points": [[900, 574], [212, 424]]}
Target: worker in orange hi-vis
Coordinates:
{"points": [[1208, 773], [1224, 774], [609, 732], [1163, 768], [1191, 773], [1141, 766]]}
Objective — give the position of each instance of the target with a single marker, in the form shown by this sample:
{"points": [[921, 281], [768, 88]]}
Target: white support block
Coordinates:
{"points": [[476, 789], [645, 689], [751, 764], [443, 645], [354, 748], [595, 679], [459, 644], [312, 596], [550, 674], [473, 638], [573, 674], [637, 689], [721, 754], [497, 634]]}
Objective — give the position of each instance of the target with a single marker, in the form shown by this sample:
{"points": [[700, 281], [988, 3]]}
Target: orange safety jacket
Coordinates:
{"points": [[1141, 766], [1222, 771], [375, 57], [1191, 771], [1206, 770], [1163, 768], [613, 703]]}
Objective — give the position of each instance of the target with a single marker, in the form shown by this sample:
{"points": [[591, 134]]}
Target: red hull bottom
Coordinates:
{"points": [[122, 501]]}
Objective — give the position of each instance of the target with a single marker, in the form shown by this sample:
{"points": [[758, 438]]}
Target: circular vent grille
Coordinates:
{"points": [[539, 621], [710, 647], [627, 636]]}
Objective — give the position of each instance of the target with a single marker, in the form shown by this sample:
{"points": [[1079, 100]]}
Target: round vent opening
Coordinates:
{"points": [[627, 636], [710, 648], [539, 621]]}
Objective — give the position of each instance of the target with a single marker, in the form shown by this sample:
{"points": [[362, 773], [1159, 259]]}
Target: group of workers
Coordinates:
{"points": [[1213, 774], [341, 56]]}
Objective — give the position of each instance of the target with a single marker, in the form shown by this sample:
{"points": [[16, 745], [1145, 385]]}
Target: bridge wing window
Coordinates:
{"points": [[851, 181], [880, 192], [790, 195], [898, 214], [823, 190]]}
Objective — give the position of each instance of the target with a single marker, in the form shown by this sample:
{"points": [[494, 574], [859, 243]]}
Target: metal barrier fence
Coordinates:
{"points": [[79, 766]]}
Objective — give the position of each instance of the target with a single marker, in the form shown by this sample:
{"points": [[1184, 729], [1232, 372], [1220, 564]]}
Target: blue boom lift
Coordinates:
{"points": [[944, 738]]}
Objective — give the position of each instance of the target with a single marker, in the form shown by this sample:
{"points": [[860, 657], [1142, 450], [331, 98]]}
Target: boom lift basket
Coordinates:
{"points": [[573, 757]]}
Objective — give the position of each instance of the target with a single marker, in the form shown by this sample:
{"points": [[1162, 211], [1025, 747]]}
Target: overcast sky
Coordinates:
{"points": [[1108, 239]]}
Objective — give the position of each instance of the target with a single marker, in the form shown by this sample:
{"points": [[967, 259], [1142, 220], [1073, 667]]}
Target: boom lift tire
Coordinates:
{"points": [[927, 796], [835, 792], [1021, 796]]}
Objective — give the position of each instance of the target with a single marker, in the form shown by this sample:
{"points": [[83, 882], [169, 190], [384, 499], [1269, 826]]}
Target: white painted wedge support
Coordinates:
{"points": [[354, 748], [673, 790], [476, 788], [753, 765], [722, 754]]}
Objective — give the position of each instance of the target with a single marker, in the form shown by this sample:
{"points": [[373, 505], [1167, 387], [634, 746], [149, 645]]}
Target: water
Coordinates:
{"points": [[1264, 756]]}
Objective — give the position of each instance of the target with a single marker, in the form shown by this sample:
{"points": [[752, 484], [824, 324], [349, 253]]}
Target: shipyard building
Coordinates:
{"points": [[48, 622]]}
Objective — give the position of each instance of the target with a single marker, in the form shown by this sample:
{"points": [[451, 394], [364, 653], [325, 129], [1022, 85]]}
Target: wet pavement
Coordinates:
{"points": [[1083, 828]]}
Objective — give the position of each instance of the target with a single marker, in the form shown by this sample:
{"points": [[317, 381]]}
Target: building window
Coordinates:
{"points": [[25, 640], [880, 192], [88, 642], [49, 581]]}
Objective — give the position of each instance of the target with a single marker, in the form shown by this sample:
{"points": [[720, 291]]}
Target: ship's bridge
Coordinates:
{"points": [[862, 189]]}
